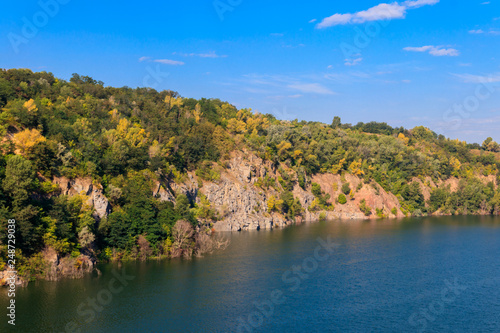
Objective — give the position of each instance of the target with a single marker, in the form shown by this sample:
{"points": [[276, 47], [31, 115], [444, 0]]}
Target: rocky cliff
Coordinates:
{"points": [[242, 204]]}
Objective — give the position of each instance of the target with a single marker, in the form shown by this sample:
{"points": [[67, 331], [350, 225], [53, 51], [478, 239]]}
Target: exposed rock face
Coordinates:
{"points": [[84, 186], [243, 206], [240, 204], [163, 194], [5, 279], [100, 203], [57, 267]]}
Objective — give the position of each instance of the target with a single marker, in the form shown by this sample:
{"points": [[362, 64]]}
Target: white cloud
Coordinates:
{"points": [[315, 88], [383, 11], [211, 54], [162, 61], [481, 31], [444, 52], [335, 19], [418, 49], [281, 97], [420, 3], [169, 62], [353, 62], [469, 78], [313, 20], [486, 3], [437, 51]]}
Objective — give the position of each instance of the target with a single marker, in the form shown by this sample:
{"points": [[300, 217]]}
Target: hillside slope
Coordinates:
{"points": [[93, 172]]}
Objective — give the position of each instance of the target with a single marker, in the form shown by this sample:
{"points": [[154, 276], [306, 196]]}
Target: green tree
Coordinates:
{"points": [[19, 180], [336, 122]]}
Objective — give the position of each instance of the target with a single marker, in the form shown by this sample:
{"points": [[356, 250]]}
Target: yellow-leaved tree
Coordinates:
{"points": [[456, 165], [403, 138], [172, 101], [236, 126], [355, 168], [271, 202], [197, 113], [283, 148], [132, 133], [31, 106], [26, 140]]}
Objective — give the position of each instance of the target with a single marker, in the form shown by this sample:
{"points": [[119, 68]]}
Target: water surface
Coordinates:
{"points": [[414, 275]]}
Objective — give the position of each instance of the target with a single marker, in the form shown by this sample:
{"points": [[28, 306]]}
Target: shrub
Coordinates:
{"points": [[380, 212], [346, 189], [316, 189], [342, 199], [206, 172], [365, 208]]}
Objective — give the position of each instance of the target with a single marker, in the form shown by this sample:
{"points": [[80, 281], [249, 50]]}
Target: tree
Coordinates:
{"points": [[438, 198], [19, 180], [119, 223], [182, 234], [486, 143], [336, 122], [236, 126], [490, 145], [6, 91], [86, 237], [26, 140]]}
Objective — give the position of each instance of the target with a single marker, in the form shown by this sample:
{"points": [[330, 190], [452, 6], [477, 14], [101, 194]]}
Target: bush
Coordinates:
{"points": [[206, 172], [346, 189], [342, 199], [365, 208], [316, 190], [302, 181], [380, 212], [417, 213]]}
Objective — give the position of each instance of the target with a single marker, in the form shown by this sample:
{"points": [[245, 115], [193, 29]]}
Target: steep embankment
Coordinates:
{"points": [[241, 202]]}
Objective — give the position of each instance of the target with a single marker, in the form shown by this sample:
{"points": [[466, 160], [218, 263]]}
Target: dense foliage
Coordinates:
{"points": [[126, 139]]}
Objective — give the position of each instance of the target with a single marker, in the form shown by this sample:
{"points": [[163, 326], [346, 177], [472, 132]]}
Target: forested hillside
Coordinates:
{"points": [[130, 142]]}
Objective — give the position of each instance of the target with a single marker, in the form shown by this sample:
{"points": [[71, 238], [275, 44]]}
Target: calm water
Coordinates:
{"points": [[415, 275]]}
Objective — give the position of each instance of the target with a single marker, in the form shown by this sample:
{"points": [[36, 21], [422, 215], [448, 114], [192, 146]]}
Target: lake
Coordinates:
{"points": [[412, 275]]}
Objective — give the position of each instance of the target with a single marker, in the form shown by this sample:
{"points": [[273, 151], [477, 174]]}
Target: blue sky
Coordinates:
{"points": [[408, 63]]}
